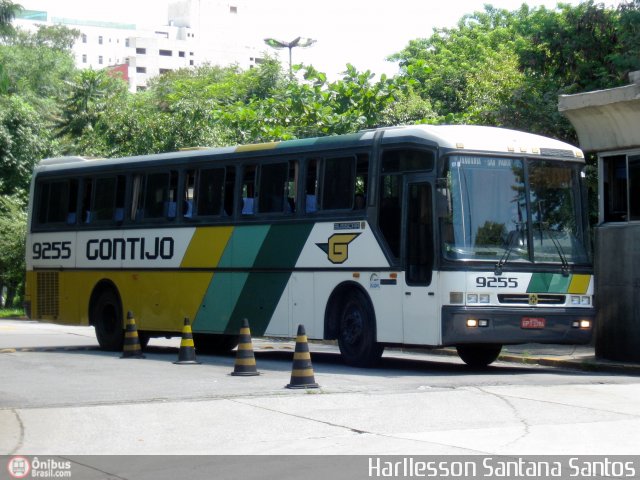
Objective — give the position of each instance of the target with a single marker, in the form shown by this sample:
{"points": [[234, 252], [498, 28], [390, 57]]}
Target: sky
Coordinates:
{"points": [[360, 32]]}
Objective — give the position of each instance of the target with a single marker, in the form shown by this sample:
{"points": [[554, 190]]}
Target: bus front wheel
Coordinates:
{"points": [[478, 356], [357, 332], [106, 316]]}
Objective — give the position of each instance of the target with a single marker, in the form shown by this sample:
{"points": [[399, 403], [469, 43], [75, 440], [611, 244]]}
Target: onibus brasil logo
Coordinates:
{"points": [[21, 467]]}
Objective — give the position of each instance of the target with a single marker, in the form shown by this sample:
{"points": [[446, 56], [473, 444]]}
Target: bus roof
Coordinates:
{"points": [[459, 137]]}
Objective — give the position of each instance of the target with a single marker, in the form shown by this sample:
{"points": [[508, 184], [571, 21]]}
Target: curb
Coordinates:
{"points": [[588, 363]]}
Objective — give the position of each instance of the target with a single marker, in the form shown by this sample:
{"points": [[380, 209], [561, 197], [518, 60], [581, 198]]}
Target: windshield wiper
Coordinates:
{"points": [[507, 253], [563, 257]]}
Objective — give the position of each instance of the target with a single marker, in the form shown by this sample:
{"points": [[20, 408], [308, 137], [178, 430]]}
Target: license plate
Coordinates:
{"points": [[532, 322]]}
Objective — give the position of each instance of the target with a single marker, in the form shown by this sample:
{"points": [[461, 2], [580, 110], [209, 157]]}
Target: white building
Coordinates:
{"points": [[196, 32]]}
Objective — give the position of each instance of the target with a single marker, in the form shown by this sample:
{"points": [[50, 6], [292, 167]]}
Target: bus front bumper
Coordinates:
{"points": [[509, 326]]}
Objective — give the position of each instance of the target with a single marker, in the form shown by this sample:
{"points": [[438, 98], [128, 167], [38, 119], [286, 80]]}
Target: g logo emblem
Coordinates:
{"points": [[337, 249], [533, 299]]}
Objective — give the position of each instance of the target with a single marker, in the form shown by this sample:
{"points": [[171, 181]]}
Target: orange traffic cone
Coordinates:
{"points": [[132, 348], [245, 365], [187, 352], [302, 371]]}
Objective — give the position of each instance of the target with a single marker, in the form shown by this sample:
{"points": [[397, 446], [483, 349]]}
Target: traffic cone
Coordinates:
{"points": [[245, 365], [302, 370], [131, 348], [187, 352]]}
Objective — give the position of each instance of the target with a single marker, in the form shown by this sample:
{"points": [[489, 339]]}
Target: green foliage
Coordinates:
{"points": [[89, 94], [24, 140], [8, 11], [13, 220], [37, 65], [507, 68]]}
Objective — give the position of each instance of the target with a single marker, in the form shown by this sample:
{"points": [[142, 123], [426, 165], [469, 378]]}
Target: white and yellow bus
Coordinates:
{"points": [[465, 236]]}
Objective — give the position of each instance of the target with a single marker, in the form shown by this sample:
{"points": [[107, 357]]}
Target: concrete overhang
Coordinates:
{"points": [[605, 119]]}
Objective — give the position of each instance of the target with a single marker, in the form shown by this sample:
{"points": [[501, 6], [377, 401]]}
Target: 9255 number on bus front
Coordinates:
{"points": [[496, 282]]}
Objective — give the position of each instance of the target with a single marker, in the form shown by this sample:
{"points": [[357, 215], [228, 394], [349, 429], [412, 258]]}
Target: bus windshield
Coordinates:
{"points": [[510, 210]]}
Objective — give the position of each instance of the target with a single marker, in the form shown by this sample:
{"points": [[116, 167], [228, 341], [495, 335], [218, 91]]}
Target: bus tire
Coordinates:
{"points": [[480, 355], [214, 343], [357, 332], [106, 317]]}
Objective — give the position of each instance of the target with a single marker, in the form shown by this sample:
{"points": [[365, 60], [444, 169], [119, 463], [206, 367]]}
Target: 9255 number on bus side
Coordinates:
{"points": [[51, 250]]}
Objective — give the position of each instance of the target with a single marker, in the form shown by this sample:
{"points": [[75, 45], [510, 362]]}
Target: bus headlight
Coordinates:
{"points": [[582, 324]]}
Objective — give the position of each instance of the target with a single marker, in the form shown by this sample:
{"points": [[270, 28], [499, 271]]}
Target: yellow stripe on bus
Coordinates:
{"points": [[206, 247], [579, 284]]}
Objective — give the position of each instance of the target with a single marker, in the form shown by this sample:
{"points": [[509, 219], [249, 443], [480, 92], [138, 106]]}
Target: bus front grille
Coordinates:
{"points": [[524, 299], [48, 294]]}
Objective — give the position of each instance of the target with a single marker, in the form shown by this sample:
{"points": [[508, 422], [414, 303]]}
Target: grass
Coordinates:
{"points": [[11, 312]]}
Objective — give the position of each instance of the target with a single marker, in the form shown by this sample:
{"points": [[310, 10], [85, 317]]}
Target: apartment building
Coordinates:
{"points": [[196, 32]]}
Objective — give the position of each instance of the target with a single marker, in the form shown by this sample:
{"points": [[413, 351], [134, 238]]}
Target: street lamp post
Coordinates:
{"points": [[298, 42]]}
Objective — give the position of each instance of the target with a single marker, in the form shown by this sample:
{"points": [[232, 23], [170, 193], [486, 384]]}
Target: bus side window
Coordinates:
{"points": [[338, 183], [273, 186], [161, 195], [361, 187], [104, 200], [121, 184], [137, 198], [87, 196], [155, 195], [189, 194], [229, 191], [311, 185], [210, 192], [249, 190]]}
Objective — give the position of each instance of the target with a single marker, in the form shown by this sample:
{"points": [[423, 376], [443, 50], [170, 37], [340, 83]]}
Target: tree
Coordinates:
{"points": [[8, 11], [507, 68], [13, 220], [24, 140], [89, 94]]}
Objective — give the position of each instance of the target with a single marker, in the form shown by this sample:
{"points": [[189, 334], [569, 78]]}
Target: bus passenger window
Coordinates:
{"points": [[121, 184], [311, 186], [249, 190], [137, 198], [362, 175], [338, 183], [210, 192], [292, 190], [188, 194], [87, 196], [229, 191], [104, 200], [57, 202], [273, 183], [154, 195]]}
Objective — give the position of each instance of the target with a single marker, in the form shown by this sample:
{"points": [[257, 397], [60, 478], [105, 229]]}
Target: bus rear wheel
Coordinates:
{"points": [[357, 332], [479, 356], [106, 316]]}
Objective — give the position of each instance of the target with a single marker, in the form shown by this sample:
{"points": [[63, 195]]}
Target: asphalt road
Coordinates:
{"points": [[60, 395]]}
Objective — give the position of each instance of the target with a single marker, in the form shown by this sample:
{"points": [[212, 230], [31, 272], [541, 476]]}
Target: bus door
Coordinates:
{"points": [[420, 319]]}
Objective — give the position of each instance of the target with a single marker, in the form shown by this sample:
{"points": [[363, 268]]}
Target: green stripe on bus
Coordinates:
{"points": [[225, 287], [548, 283], [263, 289]]}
